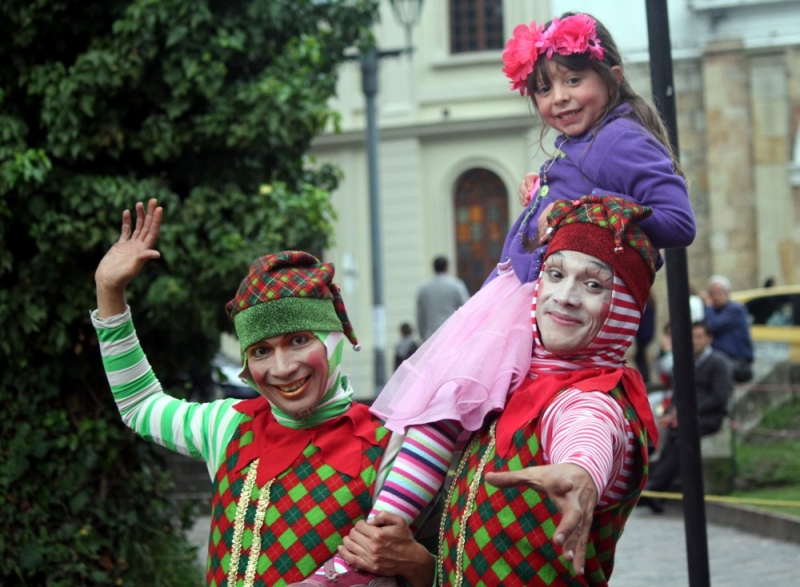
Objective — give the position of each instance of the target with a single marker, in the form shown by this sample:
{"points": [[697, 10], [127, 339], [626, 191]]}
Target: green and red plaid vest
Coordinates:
{"points": [[281, 533], [492, 536]]}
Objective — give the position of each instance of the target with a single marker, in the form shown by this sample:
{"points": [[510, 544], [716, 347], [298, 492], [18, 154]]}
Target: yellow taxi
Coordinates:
{"points": [[775, 321]]}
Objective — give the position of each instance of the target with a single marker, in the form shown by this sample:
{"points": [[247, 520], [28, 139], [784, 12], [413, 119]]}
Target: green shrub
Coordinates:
{"points": [[769, 455], [209, 106]]}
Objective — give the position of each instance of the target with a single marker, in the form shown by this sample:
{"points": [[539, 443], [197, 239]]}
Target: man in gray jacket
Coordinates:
{"points": [[438, 299]]}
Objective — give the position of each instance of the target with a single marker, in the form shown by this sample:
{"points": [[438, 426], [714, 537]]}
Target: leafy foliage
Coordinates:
{"points": [[208, 105]]}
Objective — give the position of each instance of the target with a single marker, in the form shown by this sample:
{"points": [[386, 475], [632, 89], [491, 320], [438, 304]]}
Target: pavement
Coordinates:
{"points": [[652, 553]]}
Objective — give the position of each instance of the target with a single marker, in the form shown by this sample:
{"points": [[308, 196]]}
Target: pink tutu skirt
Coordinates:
{"points": [[469, 366]]}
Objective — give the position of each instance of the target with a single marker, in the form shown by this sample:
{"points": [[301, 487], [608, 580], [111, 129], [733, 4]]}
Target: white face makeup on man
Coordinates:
{"points": [[573, 301], [291, 371]]}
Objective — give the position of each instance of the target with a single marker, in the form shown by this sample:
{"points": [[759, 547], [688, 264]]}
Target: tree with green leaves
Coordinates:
{"points": [[210, 106]]}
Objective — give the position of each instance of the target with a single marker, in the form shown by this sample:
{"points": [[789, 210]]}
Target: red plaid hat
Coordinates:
{"points": [[606, 228], [290, 291]]}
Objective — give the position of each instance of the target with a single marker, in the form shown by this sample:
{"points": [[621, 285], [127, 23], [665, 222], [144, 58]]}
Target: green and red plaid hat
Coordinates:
{"points": [[290, 291], [606, 227]]}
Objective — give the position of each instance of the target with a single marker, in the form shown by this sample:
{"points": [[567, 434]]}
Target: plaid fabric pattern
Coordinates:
{"points": [[341, 312], [508, 535], [605, 228], [289, 274], [617, 214], [311, 507], [299, 287]]}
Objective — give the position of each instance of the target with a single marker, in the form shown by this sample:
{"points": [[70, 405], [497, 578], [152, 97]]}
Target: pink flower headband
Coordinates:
{"points": [[574, 34]]}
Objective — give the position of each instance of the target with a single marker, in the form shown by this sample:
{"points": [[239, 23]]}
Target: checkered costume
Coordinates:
{"points": [[285, 491], [507, 533], [302, 514], [298, 516], [503, 536]]}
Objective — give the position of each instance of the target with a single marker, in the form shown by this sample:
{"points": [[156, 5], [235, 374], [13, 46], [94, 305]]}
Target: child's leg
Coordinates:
{"points": [[419, 470]]}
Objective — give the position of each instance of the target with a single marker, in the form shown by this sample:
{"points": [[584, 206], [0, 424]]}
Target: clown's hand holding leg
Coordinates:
{"points": [[386, 546], [126, 258], [572, 490]]}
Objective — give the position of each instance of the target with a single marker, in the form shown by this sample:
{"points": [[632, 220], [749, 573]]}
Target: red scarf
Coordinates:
{"points": [[535, 394], [340, 440]]}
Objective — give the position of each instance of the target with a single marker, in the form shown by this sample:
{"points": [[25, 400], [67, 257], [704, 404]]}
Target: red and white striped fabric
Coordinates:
{"points": [[589, 428]]}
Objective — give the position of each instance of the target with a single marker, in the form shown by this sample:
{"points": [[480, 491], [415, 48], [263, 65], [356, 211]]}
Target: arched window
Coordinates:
{"points": [[481, 224], [476, 25]]}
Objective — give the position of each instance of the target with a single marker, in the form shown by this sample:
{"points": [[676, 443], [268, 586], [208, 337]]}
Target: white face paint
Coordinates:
{"points": [[573, 301], [291, 371]]}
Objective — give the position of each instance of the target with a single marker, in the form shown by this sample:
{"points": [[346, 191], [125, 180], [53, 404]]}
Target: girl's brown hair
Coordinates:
{"points": [[618, 92]]}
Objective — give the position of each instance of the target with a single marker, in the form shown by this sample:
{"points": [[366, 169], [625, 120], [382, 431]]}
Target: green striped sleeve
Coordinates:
{"points": [[114, 334], [199, 430], [123, 360]]}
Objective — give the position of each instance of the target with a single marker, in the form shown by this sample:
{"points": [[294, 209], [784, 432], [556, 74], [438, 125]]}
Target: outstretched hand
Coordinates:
{"points": [[572, 490], [127, 257]]}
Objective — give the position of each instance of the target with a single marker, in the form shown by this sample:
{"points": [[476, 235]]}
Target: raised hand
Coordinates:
{"points": [[572, 490], [125, 259]]}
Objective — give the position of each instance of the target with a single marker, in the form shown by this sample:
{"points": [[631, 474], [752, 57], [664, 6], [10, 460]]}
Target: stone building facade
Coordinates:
{"points": [[454, 144]]}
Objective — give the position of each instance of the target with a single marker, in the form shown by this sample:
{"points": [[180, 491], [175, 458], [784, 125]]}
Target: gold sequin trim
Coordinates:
{"points": [[238, 528], [468, 506], [255, 548]]}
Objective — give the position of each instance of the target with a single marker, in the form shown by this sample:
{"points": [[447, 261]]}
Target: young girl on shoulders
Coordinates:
{"points": [[610, 139], [610, 142]]}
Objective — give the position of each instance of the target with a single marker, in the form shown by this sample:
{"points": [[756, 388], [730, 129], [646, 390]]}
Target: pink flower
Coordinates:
{"points": [[520, 54], [574, 34], [548, 36]]}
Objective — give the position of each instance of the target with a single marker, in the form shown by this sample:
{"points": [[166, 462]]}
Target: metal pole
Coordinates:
{"points": [[680, 322], [369, 84]]}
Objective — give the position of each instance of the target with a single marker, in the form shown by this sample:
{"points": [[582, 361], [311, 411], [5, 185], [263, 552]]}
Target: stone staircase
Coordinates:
{"points": [[190, 476]]}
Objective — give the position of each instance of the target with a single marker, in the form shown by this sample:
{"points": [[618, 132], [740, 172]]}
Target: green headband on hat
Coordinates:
{"points": [[288, 292]]}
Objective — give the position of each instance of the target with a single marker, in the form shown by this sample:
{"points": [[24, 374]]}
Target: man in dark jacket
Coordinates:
{"points": [[729, 323], [713, 384]]}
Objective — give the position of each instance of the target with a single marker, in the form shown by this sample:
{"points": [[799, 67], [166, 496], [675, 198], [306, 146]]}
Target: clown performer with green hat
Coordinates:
{"points": [[293, 470]]}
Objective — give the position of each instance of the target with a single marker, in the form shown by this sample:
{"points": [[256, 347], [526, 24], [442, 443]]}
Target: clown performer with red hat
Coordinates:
{"points": [[544, 488], [610, 142], [293, 470]]}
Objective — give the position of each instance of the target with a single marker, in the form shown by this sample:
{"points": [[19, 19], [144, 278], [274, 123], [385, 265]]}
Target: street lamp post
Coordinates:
{"points": [[407, 13]]}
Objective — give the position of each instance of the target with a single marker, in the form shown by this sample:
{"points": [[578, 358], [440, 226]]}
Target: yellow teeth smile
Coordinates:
{"points": [[292, 389]]}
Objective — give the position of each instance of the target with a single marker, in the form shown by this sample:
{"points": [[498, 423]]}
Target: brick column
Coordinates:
{"points": [[769, 95], [730, 163]]}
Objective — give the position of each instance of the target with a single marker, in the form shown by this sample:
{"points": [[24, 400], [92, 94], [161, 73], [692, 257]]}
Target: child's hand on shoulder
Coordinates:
{"points": [[544, 235], [527, 187]]}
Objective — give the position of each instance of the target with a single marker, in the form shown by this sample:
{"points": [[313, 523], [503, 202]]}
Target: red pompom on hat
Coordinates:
{"points": [[606, 227]]}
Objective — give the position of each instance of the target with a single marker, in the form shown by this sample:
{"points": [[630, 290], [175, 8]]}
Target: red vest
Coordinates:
{"points": [[494, 536], [284, 531]]}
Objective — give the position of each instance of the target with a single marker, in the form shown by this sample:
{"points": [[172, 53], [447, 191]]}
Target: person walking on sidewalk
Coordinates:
{"points": [[438, 298]]}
